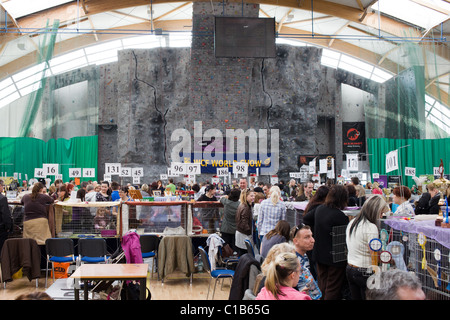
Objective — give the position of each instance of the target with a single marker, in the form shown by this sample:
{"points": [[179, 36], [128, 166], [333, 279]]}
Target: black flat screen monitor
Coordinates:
{"points": [[239, 37]]}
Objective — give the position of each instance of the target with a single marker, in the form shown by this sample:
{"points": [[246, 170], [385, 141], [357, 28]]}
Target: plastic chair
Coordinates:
{"points": [[249, 248], [253, 251], [92, 250], [58, 250], [149, 248], [215, 274]]}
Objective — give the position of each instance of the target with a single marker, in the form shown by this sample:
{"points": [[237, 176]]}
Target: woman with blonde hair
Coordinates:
{"points": [[376, 188], [271, 255], [281, 277], [271, 211], [244, 220]]}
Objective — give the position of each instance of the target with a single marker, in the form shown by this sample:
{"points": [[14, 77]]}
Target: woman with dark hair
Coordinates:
{"points": [[63, 195], [328, 216], [316, 200], [352, 198], [278, 235], [35, 220], [209, 216], [228, 227], [401, 198], [103, 195]]}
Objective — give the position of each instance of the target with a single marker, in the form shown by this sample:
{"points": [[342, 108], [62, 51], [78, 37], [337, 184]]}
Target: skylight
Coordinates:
{"points": [[437, 113], [23, 8], [336, 60], [425, 14]]}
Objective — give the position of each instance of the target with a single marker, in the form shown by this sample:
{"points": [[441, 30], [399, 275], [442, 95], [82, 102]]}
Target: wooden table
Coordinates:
{"points": [[110, 272]]}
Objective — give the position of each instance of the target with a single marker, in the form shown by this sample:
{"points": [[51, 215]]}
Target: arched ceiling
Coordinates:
{"points": [[364, 29]]}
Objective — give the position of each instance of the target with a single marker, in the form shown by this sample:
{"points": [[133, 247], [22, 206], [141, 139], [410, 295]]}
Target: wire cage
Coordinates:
{"points": [[339, 244], [155, 217], [208, 215], [430, 261], [294, 216], [99, 218], [424, 256]]}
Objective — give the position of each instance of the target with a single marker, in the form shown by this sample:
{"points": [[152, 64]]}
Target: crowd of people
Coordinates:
{"points": [[316, 274], [297, 263]]}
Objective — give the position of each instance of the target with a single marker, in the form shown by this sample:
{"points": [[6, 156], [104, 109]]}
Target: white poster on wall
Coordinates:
{"points": [[352, 162]]}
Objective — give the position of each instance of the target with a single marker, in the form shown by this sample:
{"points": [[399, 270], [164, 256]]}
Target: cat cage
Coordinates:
{"points": [[82, 218], [423, 249]]}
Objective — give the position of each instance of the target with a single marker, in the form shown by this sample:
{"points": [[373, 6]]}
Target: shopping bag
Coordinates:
{"points": [[61, 269]]}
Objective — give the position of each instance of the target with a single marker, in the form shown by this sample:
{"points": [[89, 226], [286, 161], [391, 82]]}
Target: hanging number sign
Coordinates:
{"points": [[222, 172], [178, 168], [88, 172], [410, 172], [240, 168], [112, 169], [39, 173], [192, 168], [50, 169], [125, 172], [392, 161], [75, 173]]}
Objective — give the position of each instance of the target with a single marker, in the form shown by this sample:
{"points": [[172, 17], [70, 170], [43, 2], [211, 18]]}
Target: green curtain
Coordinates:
{"points": [[422, 154], [23, 155]]}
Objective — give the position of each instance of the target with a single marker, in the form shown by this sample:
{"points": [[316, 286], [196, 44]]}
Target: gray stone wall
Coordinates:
{"points": [[150, 93]]}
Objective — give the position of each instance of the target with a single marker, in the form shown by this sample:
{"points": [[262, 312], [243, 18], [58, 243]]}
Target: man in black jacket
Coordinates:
{"points": [[5, 216]]}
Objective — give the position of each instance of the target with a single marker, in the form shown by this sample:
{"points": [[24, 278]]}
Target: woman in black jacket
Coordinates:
{"points": [[330, 265], [316, 200]]}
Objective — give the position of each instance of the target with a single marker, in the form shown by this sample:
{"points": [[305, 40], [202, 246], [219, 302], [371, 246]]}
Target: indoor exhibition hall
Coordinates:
{"points": [[230, 153]]}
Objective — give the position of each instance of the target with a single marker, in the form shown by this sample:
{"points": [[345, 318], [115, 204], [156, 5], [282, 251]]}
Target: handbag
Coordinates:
{"points": [[131, 291], [227, 251]]}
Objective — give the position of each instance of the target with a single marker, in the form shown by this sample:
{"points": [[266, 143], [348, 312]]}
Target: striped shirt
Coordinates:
{"points": [[269, 215]]}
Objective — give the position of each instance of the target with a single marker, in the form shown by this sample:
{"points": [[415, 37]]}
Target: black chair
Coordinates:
{"points": [[58, 250], [92, 250], [149, 248], [253, 251], [249, 247]]}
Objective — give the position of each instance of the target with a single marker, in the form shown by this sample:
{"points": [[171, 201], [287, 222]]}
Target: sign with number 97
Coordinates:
{"points": [[192, 168]]}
